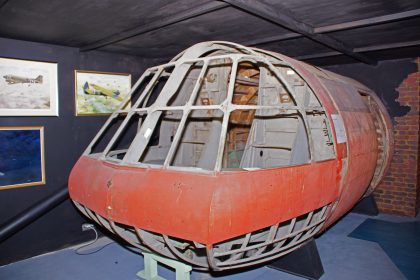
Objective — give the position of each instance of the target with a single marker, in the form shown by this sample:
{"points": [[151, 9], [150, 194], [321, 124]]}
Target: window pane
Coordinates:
{"points": [[137, 93], [239, 127], [215, 84], [123, 141], [154, 93], [199, 141], [264, 139], [259, 85], [103, 140], [246, 84], [182, 96], [304, 95], [161, 138]]}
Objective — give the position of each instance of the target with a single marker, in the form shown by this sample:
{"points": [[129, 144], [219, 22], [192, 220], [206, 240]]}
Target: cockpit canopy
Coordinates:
{"points": [[217, 107]]}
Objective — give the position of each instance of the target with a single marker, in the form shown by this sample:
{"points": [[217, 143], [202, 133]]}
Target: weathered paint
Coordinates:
{"points": [[211, 207], [207, 208]]}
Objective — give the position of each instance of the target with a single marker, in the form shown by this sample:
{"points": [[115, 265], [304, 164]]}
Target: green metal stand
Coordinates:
{"points": [[150, 272]]}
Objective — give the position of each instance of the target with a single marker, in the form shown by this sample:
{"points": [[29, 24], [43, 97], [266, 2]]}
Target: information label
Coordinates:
{"points": [[339, 128]]}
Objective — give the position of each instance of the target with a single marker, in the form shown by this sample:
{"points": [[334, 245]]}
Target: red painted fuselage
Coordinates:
{"points": [[274, 209]]}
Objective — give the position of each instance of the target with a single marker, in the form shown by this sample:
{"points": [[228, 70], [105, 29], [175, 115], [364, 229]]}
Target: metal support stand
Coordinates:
{"points": [[182, 271], [366, 206], [304, 262]]}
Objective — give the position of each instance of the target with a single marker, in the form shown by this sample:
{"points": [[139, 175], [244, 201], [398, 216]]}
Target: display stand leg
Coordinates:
{"points": [[304, 262], [366, 206], [182, 271]]}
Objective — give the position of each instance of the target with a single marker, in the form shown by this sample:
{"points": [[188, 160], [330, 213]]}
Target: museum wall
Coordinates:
{"points": [[66, 136], [397, 83]]}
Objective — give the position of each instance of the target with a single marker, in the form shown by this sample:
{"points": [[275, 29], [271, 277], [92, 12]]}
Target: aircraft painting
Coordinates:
{"points": [[93, 89], [13, 79]]}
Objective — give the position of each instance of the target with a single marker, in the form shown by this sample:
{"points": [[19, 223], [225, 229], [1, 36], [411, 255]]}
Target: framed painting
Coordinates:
{"points": [[100, 93], [28, 88], [21, 157]]}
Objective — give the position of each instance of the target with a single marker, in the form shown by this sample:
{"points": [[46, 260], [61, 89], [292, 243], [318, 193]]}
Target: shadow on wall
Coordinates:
{"points": [[384, 79]]}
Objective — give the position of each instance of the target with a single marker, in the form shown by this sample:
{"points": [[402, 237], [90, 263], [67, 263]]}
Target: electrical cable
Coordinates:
{"points": [[77, 251], [128, 247]]}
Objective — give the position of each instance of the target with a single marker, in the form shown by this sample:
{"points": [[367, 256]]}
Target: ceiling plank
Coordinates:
{"points": [[3, 3], [339, 27], [380, 47], [285, 19], [368, 21], [388, 46], [275, 38], [190, 13]]}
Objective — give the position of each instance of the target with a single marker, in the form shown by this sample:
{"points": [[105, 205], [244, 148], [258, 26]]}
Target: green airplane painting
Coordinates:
{"points": [[93, 89]]}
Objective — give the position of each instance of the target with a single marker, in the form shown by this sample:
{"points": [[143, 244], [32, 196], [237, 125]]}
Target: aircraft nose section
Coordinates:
{"points": [[201, 224]]}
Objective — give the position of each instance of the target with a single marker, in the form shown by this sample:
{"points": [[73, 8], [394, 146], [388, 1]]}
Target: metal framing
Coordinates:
{"points": [[262, 239], [139, 144], [249, 249]]}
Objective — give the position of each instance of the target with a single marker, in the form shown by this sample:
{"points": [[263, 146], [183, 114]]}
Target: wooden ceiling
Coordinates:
{"points": [[321, 31]]}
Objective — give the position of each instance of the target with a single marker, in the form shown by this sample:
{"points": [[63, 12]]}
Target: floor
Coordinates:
{"points": [[357, 247]]}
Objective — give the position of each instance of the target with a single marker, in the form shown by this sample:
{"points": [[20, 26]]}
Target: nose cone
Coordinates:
{"points": [[232, 156], [206, 208], [215, 213]]}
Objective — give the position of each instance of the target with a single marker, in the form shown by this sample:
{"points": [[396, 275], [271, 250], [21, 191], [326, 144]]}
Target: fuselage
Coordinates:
{"points": [[257, 154]]}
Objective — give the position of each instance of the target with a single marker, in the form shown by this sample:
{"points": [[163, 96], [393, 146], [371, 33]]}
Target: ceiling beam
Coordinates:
{"points": [[284, 18], [181, 16], [275, 38], [380, 47], [3, 3], [339, 27], [368, 21]]}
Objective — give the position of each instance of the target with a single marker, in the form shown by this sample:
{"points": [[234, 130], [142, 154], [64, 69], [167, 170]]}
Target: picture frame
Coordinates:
{"points": [[28, 88], [22, 154], [99, 93]]}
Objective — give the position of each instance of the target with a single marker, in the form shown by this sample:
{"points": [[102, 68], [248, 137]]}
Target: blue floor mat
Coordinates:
{"points": [[401, 241]]}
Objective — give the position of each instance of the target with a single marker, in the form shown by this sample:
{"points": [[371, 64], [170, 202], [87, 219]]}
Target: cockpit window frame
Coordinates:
{"points": [[227, 107]]}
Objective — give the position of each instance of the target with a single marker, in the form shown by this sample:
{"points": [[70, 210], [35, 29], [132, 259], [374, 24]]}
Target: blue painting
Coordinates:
{"points": [[21, 157]]}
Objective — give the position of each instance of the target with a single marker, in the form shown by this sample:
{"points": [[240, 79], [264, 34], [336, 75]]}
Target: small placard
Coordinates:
{"points": [[340, 131]]}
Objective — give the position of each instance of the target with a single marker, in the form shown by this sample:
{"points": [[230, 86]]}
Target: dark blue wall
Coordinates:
{"points": [[383, 78], [66, 137]]}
